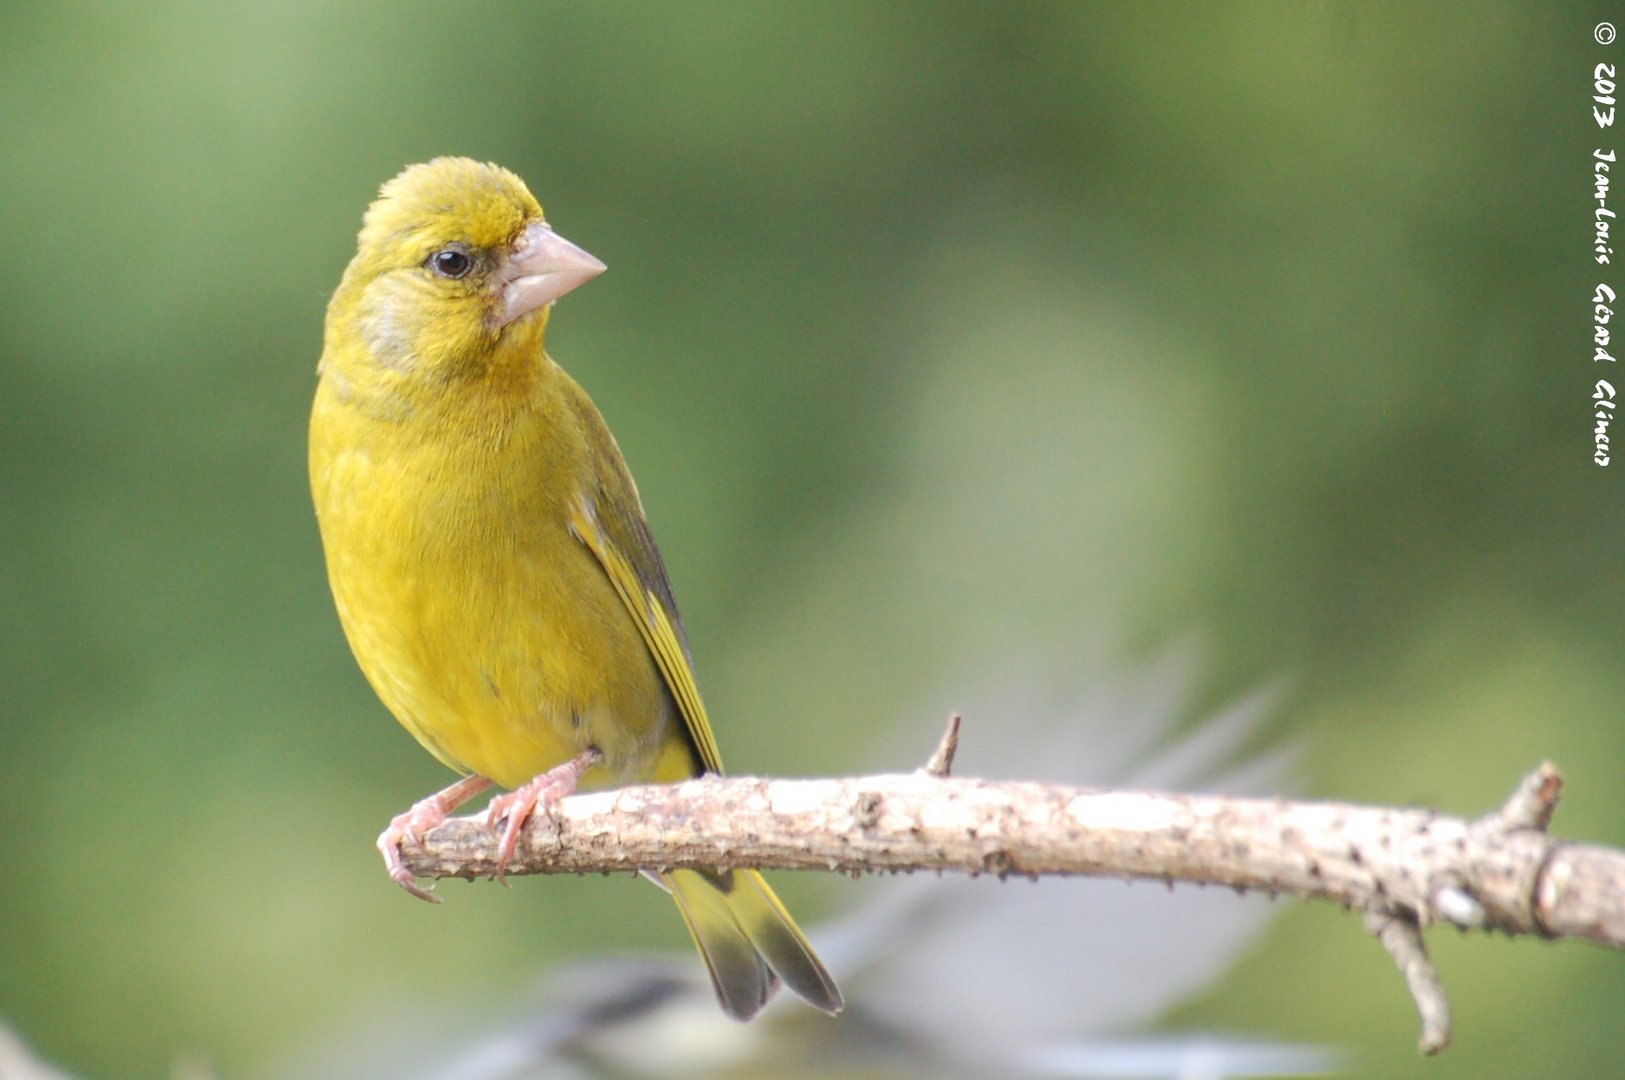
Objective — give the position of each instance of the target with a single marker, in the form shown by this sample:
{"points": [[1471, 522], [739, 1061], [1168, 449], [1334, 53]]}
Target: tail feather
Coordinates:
{"points": [[748, 941]]}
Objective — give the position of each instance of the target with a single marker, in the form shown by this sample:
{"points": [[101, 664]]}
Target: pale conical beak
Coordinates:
{"points": [[542, 267]]}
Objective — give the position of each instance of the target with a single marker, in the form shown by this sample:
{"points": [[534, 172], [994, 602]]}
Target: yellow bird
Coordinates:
{"points": [[488, 553]]}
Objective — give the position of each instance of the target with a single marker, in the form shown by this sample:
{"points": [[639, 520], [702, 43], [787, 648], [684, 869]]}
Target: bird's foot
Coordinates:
{"points": [[424, 815], [542, 793]]}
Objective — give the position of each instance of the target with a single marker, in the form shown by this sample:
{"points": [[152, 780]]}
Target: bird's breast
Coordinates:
{"points": [[484, 625]]}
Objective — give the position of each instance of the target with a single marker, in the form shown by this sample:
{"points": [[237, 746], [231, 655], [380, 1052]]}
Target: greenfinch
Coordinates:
{"points": [[489, 556]]}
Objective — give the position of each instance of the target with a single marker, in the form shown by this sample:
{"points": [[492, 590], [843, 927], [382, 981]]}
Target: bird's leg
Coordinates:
{"points": [[541, 793], [424, 815]]}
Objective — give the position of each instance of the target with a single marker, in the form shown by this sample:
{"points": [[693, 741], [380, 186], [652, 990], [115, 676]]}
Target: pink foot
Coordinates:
{"points": [[424, 815], [540, 794]]}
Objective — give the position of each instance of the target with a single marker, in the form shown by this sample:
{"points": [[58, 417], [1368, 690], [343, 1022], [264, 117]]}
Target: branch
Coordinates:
{"points": [[1406, 868]]}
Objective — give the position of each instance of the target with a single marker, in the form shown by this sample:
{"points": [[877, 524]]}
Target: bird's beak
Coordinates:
{"points": [[542, 267]]}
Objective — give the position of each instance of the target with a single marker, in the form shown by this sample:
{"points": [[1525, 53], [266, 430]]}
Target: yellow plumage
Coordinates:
{"points": [[486, 546]]}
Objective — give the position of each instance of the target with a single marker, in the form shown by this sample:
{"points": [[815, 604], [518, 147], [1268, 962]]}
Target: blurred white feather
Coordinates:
{"points": [[18, 1062]]}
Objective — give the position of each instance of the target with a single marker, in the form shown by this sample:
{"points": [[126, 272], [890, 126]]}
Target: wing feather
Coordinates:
{"points": [[609, 521]]}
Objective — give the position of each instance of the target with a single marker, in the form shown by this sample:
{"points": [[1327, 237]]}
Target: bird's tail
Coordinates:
{"points": [[748, 941]]}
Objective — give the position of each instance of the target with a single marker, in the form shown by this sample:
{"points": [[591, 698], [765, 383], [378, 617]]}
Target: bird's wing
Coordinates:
{"points": [[609, 521]]}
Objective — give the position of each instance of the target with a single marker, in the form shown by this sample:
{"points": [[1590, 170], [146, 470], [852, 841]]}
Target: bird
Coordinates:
{"points": [[488, 553]]}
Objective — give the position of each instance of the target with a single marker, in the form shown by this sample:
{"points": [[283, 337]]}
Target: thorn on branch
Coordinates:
{"points": [[1534, 802], [942, 758], [1402, 937]]}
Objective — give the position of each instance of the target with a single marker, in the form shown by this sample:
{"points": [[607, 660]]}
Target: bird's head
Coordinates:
{"points": [[454, 263]]}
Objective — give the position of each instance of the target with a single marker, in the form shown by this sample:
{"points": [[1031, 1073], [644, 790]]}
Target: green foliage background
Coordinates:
{"points": [[932, 332]]}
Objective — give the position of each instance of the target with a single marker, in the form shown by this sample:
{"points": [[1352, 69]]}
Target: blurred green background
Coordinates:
{"points": [[933, 333]]}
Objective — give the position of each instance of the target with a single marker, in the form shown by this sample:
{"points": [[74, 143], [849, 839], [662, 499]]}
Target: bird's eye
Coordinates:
{"points": [[450, 263]]}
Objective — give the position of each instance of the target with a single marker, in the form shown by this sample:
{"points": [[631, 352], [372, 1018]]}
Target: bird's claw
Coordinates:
{"points": [[541, 794], [424, 815], [402, 828]]}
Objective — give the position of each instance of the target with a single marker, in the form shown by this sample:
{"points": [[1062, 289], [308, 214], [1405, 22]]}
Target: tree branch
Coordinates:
{"points": [[1406, 868]]}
